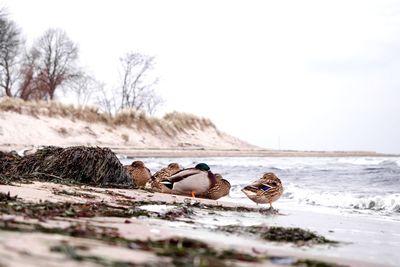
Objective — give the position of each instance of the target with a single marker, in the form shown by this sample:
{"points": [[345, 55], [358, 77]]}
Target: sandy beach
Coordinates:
{"points": [[66, 236]]}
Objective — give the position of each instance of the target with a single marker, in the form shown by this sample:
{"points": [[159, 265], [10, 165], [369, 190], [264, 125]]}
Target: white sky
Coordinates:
{"points": [[316, 75]]}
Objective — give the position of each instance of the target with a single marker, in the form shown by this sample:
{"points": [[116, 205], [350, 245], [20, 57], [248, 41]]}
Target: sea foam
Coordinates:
{"points": [[388, 202]]}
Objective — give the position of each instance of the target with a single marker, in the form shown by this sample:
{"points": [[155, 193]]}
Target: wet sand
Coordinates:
{"points": [[127, 222]]}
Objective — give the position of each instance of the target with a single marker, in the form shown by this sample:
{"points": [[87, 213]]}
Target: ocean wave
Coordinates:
{"points": [[390, 163], [307, 164], [387, 202], [371, 161]]}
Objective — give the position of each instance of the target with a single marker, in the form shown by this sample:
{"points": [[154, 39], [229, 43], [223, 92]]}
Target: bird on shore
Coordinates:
{"points": [[139, 172], [155, 184], [220, 189], [197, 180], [267, 189], [167, 172]]}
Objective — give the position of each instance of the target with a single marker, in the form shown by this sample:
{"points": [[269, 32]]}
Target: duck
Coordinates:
{"points": [[220, 189], [139, 173], [167, 172], [197, 180], [155, 185], [267, 189]]}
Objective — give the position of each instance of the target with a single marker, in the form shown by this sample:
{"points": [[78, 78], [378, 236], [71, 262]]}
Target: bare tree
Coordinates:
{"points": [[106, 100], [10, 46], [84, 87], [152, 102], [136, 85], [56, 62], [30, 87]]}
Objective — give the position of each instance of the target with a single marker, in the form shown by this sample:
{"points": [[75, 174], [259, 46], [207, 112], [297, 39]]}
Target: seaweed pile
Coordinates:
{"points": [[294, 235], [6, 160], [79, 164]]}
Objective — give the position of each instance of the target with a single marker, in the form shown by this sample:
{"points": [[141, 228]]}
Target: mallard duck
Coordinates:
{"points": [[197, 180], [139, 173], [267, 189], [167, 172], [220, 189], [155, 184]]}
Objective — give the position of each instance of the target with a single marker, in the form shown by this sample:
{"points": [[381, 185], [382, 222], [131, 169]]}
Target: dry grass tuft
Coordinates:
{"points": [[171, 124], [52, 109], [125, 137], [182, 121], [62, 131], [136, 119], [131, 117]]}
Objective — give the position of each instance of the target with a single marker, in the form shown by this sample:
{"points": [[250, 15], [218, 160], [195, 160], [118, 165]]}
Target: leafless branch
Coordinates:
{"points": [[136, 86], [10, 46]]}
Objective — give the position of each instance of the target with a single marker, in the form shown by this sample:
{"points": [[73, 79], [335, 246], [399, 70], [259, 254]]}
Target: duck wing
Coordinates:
{"points": [[258, 185], [179, 176]]}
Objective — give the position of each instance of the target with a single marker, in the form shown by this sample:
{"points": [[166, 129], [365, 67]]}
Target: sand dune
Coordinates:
{"points": [[23, 130]]}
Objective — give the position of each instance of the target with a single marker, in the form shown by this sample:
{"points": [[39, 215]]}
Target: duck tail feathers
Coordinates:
{"points": [[168, 184]]}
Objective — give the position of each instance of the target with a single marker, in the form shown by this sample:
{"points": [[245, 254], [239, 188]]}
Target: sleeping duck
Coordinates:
{"points": [[197, 180], [267, 189], [167, 172], [220, 189]]}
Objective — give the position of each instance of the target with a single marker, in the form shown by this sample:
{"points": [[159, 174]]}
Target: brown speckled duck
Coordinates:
{"points": [[220, 189], [167, 172], [139, 173], [267, 189], [155, 185]]}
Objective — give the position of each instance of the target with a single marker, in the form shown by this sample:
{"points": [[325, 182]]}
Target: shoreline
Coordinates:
{"points": [[206, 152], [132, 152]]}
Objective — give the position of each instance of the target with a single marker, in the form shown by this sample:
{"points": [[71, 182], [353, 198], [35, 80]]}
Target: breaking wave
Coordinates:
{"points": [[387, 202]]}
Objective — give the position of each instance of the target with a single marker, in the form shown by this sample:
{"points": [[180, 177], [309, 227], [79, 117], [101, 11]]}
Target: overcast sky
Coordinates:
{"points": [[310, 75]]}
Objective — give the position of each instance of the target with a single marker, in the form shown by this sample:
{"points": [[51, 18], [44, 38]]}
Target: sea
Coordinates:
{"points": [[352, 200]]}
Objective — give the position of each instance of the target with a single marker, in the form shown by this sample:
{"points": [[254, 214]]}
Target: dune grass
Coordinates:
{"points": [[184, 121], [171, 124], [53, 109]]}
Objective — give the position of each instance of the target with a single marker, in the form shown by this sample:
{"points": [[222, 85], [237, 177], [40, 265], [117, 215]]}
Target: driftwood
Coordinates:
{"points": [[81, 164]]}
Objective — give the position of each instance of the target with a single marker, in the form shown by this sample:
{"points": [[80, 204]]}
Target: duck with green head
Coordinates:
{"points": [[197, 180]]}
